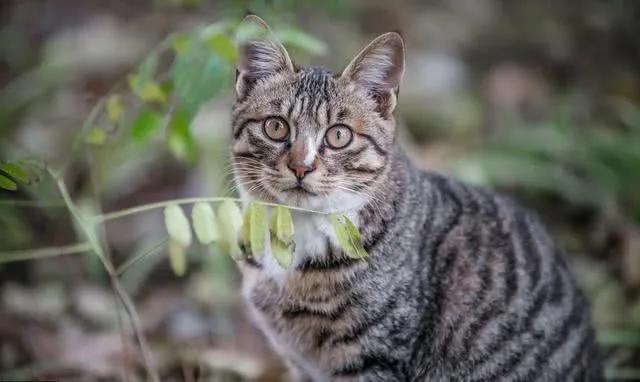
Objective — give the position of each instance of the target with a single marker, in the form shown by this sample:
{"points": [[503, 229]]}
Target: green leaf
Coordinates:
{"points": [[246, 228], [229, 214], [7, 184], [230, 219], [149, 91], [199, 75], [147, 69], [356, 239], [179, 139], [281, 228], [298, 39], [180, 43], [223, 46], [115, 109], [15, 171], [96, 136], [177, 257], [205, 223], [282, 252], [177, 225], [281, 224], [348, 237], [145, 124], [258, 228]]}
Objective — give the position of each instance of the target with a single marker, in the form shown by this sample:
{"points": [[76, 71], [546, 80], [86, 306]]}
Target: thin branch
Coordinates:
{"points": [[30, 203], [146, 207], [123, 336], [41, 253], [115, 282], [137, 328], [133, 260]]}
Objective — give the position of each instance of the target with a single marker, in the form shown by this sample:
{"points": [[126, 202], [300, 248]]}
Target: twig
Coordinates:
{"points": [[133, 260], [30, 203], [146, 207], [6, 257], [137, 328], [105, 244], [123, 337], [115, 282]]}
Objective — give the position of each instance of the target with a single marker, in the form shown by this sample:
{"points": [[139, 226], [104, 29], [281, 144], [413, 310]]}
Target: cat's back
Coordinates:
{"points": [[505, 306]]}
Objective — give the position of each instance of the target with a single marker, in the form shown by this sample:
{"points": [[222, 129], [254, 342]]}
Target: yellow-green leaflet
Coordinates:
{"points": [[177, 225], [258, 228], [356, 239], [229, 214], [281, 224], [14, 170], [246, 228], [114, 108], [7, 184], [148, 91], [204, 223], [281, 252], [177, 257], [230, 219], [348, 237], [96, 136]]}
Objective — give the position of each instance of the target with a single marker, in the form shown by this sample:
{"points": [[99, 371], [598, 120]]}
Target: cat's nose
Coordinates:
{"points": [[301, 158], [300, 170]]}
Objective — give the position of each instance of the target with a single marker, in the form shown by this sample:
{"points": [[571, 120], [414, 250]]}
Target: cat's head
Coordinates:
{"points": [[309, 137]]}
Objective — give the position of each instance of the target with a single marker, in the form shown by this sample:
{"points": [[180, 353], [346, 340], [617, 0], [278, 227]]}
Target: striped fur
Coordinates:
{"points": [[461, 284]]}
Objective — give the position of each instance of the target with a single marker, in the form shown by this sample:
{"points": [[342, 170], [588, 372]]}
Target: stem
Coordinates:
{"points": [[115, 282], [146, 207], [6, 257], [123, 336], [137, 328], [133, 260], [30, 203]]}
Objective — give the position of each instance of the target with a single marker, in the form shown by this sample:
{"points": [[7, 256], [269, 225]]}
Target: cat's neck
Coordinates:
{"points": [[313, 234], [390, 195]]}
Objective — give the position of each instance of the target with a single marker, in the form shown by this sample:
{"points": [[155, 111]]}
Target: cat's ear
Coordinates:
{"points": [[260, 55], [378, 68]]}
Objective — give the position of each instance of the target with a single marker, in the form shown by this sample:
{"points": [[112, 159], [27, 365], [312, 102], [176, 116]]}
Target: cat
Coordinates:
{"points": [[461, 284]]}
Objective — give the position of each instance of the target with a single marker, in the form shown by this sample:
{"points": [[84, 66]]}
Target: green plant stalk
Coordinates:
{"points": [[41, 253], [30, 203], [115, 283], [151, 206], [135, 259]]}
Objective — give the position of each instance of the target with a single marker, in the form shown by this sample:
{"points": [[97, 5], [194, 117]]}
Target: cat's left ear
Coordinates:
{"points": [[260, 55], [378, 68]]}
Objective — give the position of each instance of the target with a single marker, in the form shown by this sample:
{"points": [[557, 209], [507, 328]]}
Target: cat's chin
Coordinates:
{"points": [[336, 201]]}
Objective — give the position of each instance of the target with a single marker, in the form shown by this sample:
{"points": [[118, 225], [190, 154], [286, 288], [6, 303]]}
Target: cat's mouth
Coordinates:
{"points": [[300, 190]]}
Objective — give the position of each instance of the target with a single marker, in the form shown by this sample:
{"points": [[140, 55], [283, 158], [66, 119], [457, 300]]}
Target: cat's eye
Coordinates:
{"points": [[338, 136], [276, 128]]}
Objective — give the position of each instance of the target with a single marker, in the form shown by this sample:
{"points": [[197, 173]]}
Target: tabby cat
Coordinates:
{"points": [[460, 285]]}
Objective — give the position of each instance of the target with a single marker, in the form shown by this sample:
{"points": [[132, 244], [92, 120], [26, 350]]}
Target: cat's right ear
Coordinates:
{"points": [[378, 69], [260, 55]]}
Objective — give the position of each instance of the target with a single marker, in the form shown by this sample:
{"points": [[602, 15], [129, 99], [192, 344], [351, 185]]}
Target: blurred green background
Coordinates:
{"points": [[128, 102]]}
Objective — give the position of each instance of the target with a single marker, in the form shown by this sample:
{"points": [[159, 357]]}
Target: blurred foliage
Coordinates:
{"points": [[584, 165], [144, 140]]}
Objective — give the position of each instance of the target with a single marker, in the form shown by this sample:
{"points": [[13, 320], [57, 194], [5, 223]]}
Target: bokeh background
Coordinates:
{"points": [[127, 102]]}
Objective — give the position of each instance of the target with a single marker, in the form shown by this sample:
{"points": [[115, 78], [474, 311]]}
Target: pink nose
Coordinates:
{"points": [[300, 170], [297, 161]]}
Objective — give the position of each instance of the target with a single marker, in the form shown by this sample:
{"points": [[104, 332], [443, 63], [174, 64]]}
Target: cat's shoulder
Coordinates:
{"points": [[470, 198]]}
